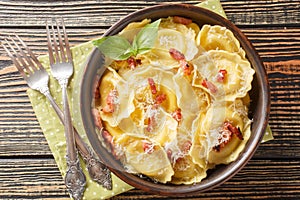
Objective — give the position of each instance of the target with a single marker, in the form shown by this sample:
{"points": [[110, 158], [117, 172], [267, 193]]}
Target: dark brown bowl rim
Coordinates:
{"points": [[229, 170]]}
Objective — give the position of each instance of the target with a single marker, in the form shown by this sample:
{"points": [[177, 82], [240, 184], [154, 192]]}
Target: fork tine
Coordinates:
{"points": [[68, 50], [51, 56], [52, 40], [55, 43], [15, 61], [61, 45], [33, 57], [28, 60], [21, 56]]}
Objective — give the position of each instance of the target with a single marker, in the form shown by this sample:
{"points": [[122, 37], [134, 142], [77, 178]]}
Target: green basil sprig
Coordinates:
{"points": [[118, 48]]}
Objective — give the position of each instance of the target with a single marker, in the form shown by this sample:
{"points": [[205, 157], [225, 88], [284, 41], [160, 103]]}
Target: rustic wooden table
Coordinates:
{"points": [[27, 168]]}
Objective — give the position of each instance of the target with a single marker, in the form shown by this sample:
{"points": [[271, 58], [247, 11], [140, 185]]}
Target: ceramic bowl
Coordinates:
{"points": [[259, 109]]}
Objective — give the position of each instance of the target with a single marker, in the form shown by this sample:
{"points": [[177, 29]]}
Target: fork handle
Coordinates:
{"points": [[75, 179], [97, 170], [71, 148]]}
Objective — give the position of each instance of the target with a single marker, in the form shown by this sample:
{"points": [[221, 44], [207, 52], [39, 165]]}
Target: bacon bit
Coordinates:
{"points": [[187, 146], [111, 102], [204, 83], [221, 75], [133, 63], [160, 98], [151, 118], [96, 88], [148, 147], [108, 139], [181, 20], [224, 137], [151, 123], [185, 66], [177, 55], [234, 130], [97, 93], [169, 154], [178, 157], [173, 159], [177, 115], [97, 118], [226, 134], [152, 85], [209, 85]]}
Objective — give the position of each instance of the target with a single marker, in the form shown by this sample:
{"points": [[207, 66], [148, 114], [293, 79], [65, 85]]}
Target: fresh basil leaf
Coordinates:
{"points": [[118, 48], [114, 47], [124, 56], [134, 47], [146, 37], [98, 41], [144, 50]]}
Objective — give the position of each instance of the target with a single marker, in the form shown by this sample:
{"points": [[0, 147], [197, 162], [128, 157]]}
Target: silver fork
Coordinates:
{"points": [[62, 69], [37, 78]]}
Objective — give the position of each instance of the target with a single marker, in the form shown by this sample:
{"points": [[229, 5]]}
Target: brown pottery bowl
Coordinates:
{"points": [[259, 108]]}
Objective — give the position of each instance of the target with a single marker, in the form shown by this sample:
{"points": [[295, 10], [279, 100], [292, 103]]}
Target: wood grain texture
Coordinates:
{"points": [[269, 13], [104, 13], [40, 178], [27, 168]]}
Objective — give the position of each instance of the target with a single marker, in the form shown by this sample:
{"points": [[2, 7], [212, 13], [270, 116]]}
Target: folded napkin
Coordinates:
{"points": [[53, 129]]}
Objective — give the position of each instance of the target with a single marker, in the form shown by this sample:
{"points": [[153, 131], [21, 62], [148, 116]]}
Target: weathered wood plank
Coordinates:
{"points": [[103, 13], [34, 178], [89, 13], [36, 39], [269, 13], [40, 178], [284, 120], [273, 44]]}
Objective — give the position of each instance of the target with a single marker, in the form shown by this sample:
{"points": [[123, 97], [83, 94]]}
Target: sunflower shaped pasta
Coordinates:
{"points": [[143, 156], [189, 100], [236, 74], [219, 38], [173, 35], [150, 118], [116, 103], [221, 134], [198, 151]]}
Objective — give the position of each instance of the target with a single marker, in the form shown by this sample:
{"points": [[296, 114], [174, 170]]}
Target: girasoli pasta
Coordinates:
{"points": [[174, 98]]}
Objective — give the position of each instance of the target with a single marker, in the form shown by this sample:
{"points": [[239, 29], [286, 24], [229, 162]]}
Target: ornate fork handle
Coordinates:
{"points": [[75, 180], [97, 170]]}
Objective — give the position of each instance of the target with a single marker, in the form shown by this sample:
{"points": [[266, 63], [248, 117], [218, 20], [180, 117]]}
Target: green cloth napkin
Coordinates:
{"points": [[53, 129]]}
